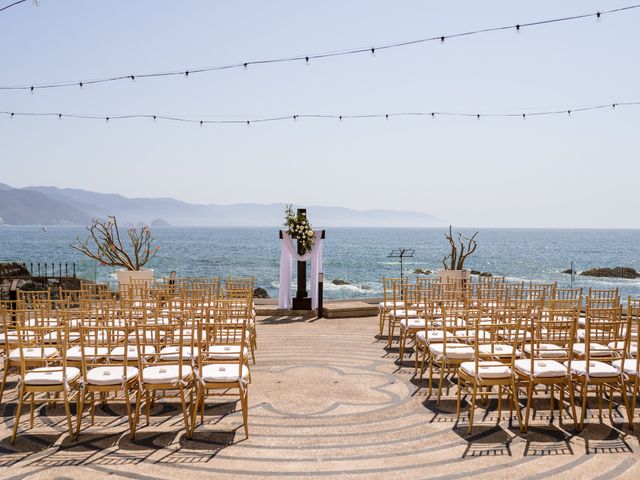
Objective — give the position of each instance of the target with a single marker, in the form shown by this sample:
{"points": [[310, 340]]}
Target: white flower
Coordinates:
{"points": [[310, 233]]}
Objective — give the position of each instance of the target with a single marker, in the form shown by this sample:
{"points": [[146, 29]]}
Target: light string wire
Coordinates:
{"points": [[331, 54], [280, 118], [12, 5]]}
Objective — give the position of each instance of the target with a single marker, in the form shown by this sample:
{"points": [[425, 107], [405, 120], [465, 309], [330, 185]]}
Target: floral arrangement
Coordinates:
{"points": [[105, 246], [299, 228]]}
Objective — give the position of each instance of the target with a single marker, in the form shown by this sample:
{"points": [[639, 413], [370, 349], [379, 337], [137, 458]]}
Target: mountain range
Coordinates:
{"points": [[59, 206]]}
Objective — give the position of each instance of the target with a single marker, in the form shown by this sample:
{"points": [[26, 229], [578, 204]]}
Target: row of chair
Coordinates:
{"points": [[502, 340], [145, 343]]}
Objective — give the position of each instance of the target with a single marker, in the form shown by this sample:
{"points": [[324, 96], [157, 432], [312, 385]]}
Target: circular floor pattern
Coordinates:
{"points": [[327, 401]]}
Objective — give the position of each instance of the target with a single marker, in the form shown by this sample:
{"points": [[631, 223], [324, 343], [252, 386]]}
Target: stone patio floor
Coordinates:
{"points": [[327, 401]]}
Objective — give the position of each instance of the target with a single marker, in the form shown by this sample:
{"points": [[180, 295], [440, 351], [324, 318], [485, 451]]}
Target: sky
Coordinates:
{"points": [[568, 171]]}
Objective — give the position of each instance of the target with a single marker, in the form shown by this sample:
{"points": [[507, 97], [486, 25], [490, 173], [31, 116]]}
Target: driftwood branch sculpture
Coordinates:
{"points": [[461, 248], [105, 245]]}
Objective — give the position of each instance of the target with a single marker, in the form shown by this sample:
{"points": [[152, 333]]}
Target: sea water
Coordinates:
{"points": [[358, 256]]}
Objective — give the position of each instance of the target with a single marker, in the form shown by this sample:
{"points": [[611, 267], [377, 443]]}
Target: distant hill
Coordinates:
{"points": [[52, 205], [23, 207]]}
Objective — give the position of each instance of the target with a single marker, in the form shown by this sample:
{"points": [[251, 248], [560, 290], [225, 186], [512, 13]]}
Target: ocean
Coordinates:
{"points": [[355, 255]]}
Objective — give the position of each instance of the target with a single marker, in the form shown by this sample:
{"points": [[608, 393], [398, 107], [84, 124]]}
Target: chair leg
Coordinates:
{"points": [[80, 407], [127, 402], [442, 368], [583, 398], [32, 409], [528, 408], [627, 407], [18, 411], [392, 331], [516, 400], [185, 415], [244, 394], [67, 410], [472, 407], [5, 374], [499, 403], [634, 401], [572, 401], [403, 340], [458, 397], [136, 413], [92, 408]]}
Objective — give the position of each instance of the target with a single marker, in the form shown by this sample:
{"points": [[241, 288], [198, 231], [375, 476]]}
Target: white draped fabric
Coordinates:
{"points": [[288, 253]]}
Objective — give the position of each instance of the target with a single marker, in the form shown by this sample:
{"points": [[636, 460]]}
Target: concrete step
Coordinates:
{"points": [[350, 309]]}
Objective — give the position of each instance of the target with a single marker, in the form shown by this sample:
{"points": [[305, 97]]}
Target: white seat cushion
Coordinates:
{"points": [[499, 350], [50, 376], [390, 304], [412, 323], [171, 353], [619, 346], [470, 335], [454, 351], [546, 350], [132, 352], [486, 369], [596, 350], [222, 352], [432, 336], [74, 354], [110, 375], [541, 368], [149, 335], [630, 366], [165, 374], [596, 369], [11, 337], [33, 353], [52, 337], [223, 373], [404, 314], [451, 323]]}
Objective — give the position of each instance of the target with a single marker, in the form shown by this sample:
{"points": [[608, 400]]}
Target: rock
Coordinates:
{"points": [[365, 287], [260, 293], [422, 271], [13, 269], [158, 222], [338, 281], [616, 272], [569, 271], [481, 274]]}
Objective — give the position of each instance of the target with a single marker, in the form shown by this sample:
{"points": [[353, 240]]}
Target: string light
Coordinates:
{"points": [[13, 5], [569, 111], [323, 55]]}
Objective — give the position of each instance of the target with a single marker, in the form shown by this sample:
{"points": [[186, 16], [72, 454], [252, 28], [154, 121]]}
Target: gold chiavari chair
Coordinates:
{"points": [[606, 337], [105, 373], [549, 350], [10, 316], [389, 302], [44, 370], [398, 306], [491, 367], [630, 367], [604, 294], [34, 298], [411, 318], [448, 355], [431, 333], [165, 366], [222, 366]]}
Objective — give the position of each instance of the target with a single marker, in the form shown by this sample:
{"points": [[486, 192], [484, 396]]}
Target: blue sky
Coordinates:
{"points": [[557, 172]]}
